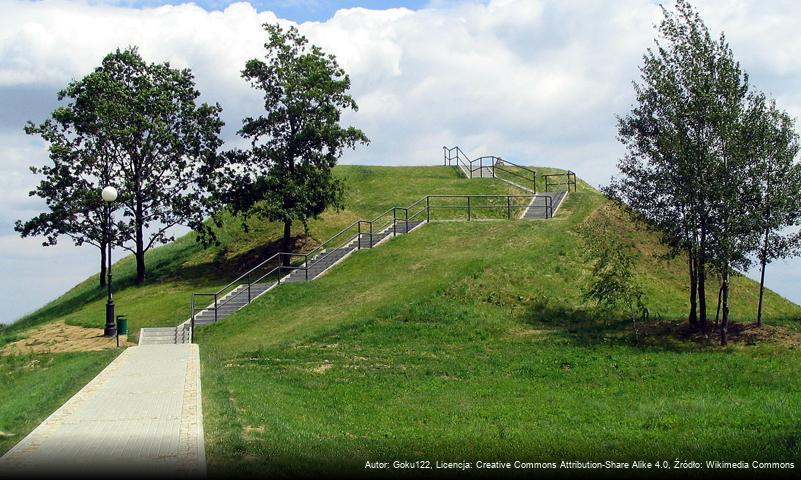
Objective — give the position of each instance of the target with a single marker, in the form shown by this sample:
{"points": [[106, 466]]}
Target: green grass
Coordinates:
{"points": [[458, 342], [471, 341], [33, 386], [182, 267]]}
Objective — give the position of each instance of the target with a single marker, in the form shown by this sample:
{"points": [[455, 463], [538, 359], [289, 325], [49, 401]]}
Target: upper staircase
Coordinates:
{"points": [[522, 177], [283, 267]]}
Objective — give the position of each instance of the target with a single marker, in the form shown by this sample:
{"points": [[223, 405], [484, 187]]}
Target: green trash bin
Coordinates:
{"points": [[122, 325]]}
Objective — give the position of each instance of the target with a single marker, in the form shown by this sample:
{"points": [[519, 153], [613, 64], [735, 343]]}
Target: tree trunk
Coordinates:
{"points": [[763, 263], [285, 243], [717, 313], [724, 322], [102, 264], [692, 318], [701, 280], [140, 258], [140, 241]]}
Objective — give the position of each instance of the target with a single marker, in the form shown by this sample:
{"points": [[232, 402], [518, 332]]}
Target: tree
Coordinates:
{"points": [[286, 175], [684, 170], [71, 185], [774, 146], [612, 283], [734, 194], [162, 144]]}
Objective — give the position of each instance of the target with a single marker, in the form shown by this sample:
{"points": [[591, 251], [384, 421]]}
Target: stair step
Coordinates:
{"points": [[237, 298]]}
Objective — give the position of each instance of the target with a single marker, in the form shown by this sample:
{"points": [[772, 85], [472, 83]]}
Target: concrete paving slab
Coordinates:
{"points": [[141, 415]]}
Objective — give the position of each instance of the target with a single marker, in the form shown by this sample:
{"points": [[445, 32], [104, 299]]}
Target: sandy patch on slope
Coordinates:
{"points": [[59, 337]]}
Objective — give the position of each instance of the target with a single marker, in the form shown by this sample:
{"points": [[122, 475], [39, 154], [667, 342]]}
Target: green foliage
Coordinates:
{"points": [[136, 126], [612, 283], [700, 155], [774, 145], [286, 175]]}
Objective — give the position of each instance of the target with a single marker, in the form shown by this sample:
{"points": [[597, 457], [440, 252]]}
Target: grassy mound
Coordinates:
{"points": [[472, 341], [177, 269], [459, 341]]}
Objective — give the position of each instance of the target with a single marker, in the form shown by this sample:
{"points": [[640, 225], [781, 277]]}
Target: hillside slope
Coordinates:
{"points": [[458, 336], [471, 340], [179, 268]]}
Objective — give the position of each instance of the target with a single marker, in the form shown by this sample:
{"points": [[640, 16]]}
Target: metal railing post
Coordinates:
{"points": [[192, 322], [469, 216], [508, 207], [428, 209], [371, 234], [215, 308], [394, 223], [248, 287], [306, 265], [445, 155], [407, 220], [359, 236]]}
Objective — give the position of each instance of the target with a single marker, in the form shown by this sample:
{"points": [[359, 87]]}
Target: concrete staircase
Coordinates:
{"points": [[323, 260], [537, 208], [327, 259], [163, 335], [228, 304], [231, 302]]}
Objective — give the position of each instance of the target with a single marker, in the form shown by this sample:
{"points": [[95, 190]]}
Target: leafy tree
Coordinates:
{"points": [[666, 136], [734, 207], [71, 185], [286, 175], [162, 144], [612, 283], [684, 170], [774, 145]]}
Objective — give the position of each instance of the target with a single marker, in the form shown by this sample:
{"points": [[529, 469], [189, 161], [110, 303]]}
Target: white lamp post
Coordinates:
{"points": [[109, 195]]}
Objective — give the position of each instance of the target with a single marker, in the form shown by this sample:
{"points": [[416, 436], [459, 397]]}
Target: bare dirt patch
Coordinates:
{"points": [[739, 333], [323, 368], [528, 332], [59, 337]]}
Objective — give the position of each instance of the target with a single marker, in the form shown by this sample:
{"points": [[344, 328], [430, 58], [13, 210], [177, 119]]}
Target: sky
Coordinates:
{"points": [[535, 81]]}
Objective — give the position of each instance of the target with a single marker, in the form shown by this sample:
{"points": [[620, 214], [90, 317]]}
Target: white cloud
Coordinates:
{"points": [[536, 81]]}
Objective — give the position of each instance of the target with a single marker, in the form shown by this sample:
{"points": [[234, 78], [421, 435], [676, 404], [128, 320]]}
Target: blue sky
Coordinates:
{"points": [[535, 81], [295, 10]]}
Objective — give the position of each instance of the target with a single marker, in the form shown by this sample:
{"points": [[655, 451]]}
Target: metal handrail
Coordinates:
{"points": [[481, 167], [372, 230], [504, 162], [570, 180], [281, 267], [465, 164], [477, 164], [336, 235], [508, 206], [378, 226], [320, 257], [248, 272]]}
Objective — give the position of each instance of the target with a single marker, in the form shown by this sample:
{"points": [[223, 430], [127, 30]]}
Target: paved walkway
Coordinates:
{"points": [[141, 415]]}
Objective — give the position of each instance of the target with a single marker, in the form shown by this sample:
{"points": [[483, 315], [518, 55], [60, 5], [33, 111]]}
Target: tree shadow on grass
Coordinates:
{"points": [[588, 327], [163, 267], [231, 266]]}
